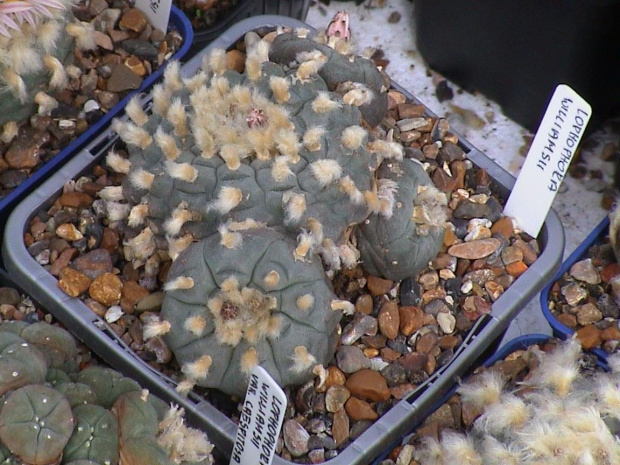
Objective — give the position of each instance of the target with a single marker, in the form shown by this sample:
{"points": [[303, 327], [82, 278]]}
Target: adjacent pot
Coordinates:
{"points": [[179, 22], [221, 430]]}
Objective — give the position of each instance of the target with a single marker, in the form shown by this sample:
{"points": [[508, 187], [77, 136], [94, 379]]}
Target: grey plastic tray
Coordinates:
{"points": [[93, 330]]}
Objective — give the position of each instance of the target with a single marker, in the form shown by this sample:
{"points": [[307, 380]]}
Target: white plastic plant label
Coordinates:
{"points": [[156, 11], [548, 159], [260, 421]]}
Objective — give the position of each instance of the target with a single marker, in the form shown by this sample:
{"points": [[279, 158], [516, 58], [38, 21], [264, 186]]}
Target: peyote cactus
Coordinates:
{"points": [[37, 40], [246, 163], [231, 308], [46, 418], [404, 241]]}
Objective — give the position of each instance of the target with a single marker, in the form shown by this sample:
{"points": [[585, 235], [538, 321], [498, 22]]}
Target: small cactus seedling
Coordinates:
{"points": [[37, 40], [228, 309], [35, 424], [95, 436], [403, 241]]}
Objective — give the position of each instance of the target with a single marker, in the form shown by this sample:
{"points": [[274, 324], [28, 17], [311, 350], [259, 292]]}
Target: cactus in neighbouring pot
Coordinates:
{"points": [[35, 424], [37, 42], [46, 418], [404, 241], [241, 299]]}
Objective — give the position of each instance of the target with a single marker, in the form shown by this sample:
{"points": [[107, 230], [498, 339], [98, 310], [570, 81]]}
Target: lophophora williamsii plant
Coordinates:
{"points": [[37, 43], [558, 414], [260, 185], [52, 412]]}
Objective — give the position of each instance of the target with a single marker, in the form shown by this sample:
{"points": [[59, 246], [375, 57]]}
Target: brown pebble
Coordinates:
{"points": [[97, 308], [235, 60], [335, 397], [413, 362], [389, 355], [449, 341], [379, 286], [109, 240], [358, 410], [494, 289], [364, 304], [106, 289], [368, 384], [340, 427], [133, 20], [425, 343], [389, 319], [609, 272], [63, 260], [410, 110], [503, 226], [410, 318], [77, 200], [123, 78], [400, 391], [94, 263], [611, 334], [132, 293], [516, 269], [72, 282], [568, 320], [475, 249], [335, 377], [589, 336], [588, 314], [529, 256]]}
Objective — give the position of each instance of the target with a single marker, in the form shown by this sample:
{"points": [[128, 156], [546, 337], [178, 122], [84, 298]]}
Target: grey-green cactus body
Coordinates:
{"points": [[250, 305], [95, 436], [405, 243]]}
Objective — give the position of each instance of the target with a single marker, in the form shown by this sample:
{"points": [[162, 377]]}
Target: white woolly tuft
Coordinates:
{"points": [[16, 84], [21, 58], [430, 207], [135, 112], [182, 171], [482, 391], [195, 82], [59, 78], [179, 283], [204, 140], [295, 207], [344, 306], [161, 99], [227, 198], [83, 33], [280, 171], [287, 144], [9, 132], [244, 225], [614, 360], [360, 95], [199, 368], [178, 245], [326, 171], [494, 451], [195, 325], [253, 68], [309, 68], [347, 185], [48, 34], [386, 191], [113, 193], [302, 360], [172, 77], [510, 413], [248, 361], [388, 150], [178, 117], [132, 134], [459, 449], [330, 255], [354, 137], [305, 242], [229, 239], [167, 144], [312, 138], [141, 179], [348, 255], [45, 102], [217, 61], [178, 218], [280, 87], [137, 215], [559, 370], [117, 163], [324, 104], [304, 302], [271, 279], [155, 328], [185, 386], [372, 201], [231, 156]]}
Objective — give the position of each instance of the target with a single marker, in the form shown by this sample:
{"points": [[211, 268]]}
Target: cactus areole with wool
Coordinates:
{"points": [[256, 183]]}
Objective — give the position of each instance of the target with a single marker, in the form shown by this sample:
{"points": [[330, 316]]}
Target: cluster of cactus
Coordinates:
{"points": [[557, 415], [37, 43], [52, 412], [278, 172]]}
